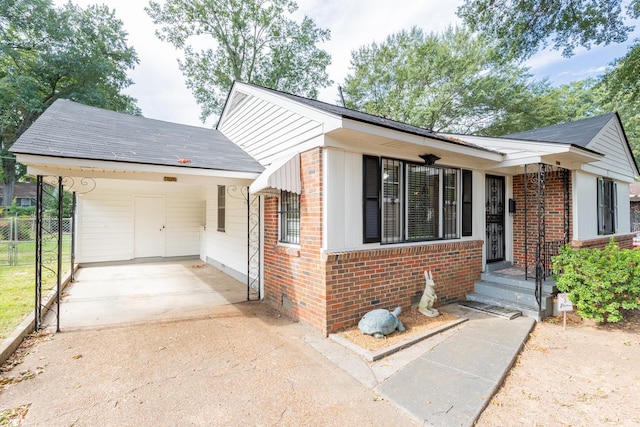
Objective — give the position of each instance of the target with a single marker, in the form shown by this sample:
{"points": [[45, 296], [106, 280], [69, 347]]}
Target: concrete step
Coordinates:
{"points": [[509, 292], [548, 286], [527, 310]]}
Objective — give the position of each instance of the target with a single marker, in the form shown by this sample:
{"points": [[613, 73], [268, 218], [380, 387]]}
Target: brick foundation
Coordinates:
{"points": [[624, 242], [359, 281]]}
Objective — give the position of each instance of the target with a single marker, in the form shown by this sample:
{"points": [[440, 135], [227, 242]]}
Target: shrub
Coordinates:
{"points": [[599, 282]]}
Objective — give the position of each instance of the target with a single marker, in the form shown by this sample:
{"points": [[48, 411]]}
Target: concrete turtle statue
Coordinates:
{"points": [[381, 322]]}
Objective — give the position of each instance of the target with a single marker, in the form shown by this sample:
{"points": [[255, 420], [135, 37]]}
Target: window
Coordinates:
{"points": [[406, 201], [607, 206], [221, 207], [289, 217]]}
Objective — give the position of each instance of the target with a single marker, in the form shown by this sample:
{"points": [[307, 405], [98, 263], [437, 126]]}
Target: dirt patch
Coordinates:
{"points": [[583, 375], [414, 322]]}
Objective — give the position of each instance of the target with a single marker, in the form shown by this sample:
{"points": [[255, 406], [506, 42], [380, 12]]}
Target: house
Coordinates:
{"points": [[24, 194], [329, 212]]}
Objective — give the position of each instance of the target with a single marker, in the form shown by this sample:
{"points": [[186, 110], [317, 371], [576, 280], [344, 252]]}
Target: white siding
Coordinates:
{"points": [[105, 226], [267, 131], [585, 211], [227, 249], [617, 161], [342, 200], [105, 219], [624, 209]]}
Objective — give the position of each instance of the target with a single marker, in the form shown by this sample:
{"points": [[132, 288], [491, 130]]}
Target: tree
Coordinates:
{"points": [[525, 27], [48, 53], [254, 41], [453, 82]]}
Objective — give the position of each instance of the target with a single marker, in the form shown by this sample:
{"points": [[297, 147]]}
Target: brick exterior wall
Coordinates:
{"points": [[624, 242], [554, 218], [294, 278], [331, 291], [360, 281]]}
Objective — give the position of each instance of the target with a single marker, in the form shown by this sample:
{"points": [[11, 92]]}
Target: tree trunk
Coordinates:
{"points": [[9, 177]]}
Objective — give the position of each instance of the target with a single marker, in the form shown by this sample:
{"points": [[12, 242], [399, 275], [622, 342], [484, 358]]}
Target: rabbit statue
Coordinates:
{"points": [[429, 297]]}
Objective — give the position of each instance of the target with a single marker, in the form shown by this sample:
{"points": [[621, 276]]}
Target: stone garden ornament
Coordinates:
{"points": [[381, 322], [429, 297]]}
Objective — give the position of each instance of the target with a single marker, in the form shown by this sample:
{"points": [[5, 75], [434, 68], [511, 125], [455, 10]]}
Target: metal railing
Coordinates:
{"points": [[18, 239]]}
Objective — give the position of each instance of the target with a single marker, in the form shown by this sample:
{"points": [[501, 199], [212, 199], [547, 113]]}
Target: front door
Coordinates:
{"points": [[494, 209], [148, 226]]}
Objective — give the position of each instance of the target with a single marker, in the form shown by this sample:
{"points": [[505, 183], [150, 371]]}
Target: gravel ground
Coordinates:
{"points": [[583, 375]]}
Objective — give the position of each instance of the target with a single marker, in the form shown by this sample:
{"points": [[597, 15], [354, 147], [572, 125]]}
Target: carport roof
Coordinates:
{"points": [[71, 130]]}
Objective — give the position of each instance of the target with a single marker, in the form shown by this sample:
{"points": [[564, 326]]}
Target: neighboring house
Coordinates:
{"points": [[634, 201], [24, 194], [353, 207]]}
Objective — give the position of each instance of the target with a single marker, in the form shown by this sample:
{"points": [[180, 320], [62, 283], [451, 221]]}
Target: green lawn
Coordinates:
{"points": [[17, 293], [17, 283]]}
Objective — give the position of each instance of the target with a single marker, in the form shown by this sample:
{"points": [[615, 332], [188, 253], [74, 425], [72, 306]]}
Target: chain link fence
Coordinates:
{"points": [[635, 221], [18, 240]]}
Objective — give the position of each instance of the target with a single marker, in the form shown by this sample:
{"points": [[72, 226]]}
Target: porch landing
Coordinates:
{"points": [[508, 288]]}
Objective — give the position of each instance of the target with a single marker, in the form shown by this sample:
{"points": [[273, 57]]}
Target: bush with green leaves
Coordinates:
{"points": [[599, 282]]}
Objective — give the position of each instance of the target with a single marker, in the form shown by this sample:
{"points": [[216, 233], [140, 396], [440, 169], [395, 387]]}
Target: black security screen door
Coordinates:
{"points": [[495, 218]]}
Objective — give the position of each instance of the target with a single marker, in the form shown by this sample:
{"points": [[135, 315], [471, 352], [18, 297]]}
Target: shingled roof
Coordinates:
{"points": [[71, 130], [580, 132]]}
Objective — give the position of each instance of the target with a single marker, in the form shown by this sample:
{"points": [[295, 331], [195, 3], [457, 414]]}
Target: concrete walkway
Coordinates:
{"points": [[447, 379]]}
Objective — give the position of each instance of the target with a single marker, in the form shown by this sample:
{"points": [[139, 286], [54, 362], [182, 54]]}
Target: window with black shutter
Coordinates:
{"points": [[371, 202], [407, 201], [467, 205]]}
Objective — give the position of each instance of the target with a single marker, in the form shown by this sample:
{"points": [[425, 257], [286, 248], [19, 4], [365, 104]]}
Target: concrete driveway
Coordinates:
{"points": [[111, 295], [236, 365]]}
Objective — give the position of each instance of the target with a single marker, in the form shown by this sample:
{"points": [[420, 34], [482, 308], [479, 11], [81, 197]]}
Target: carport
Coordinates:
{"points": [[108, 294], [146, 190]]}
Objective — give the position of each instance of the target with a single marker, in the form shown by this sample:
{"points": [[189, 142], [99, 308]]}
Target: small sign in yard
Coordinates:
{"points": [[564, 305]]}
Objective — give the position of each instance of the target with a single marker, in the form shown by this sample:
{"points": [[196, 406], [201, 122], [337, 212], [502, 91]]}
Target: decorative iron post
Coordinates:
{"points": [[38, 266]]}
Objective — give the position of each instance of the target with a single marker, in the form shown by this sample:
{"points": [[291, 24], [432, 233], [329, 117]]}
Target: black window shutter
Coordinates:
{"points": [[371, 198], [467, 204]]}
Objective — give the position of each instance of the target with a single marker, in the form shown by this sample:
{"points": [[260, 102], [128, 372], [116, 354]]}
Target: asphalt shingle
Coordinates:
{"points": [[580, 132], [71, 130]]}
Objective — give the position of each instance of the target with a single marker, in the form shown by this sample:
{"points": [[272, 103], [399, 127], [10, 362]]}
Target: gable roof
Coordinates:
{"points": [[580, 132], [76, 131], [346, 113], [601, 134]]}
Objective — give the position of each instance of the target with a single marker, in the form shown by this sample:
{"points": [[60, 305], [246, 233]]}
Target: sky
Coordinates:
{"points": [[161, 92]]}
